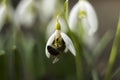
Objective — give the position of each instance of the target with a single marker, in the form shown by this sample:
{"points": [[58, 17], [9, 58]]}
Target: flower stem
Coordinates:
{"points": [[66, 9], [113, 54], [79, 50], [79, 64]]}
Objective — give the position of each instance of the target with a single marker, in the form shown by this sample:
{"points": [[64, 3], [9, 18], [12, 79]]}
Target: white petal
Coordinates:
{"points": [[68, 43], [51, 27], [23, 15], [73, 17], [47, 8], [49, 42], [91, 21]]}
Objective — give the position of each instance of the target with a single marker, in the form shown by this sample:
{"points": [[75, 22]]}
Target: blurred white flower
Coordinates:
{"points": [[58, 43], [50, 28], [48, 8], [24, 13], [83, 14], [5, 14]]}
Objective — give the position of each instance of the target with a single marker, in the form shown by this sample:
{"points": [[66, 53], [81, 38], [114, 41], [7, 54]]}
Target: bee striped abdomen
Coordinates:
{"points": [[53, 51]]}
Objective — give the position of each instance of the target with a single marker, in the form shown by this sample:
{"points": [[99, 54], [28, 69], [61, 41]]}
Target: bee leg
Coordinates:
{"points": [[56, 59]]}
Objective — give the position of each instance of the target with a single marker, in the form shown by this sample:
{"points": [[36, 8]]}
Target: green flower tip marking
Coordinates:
{"points": [[82, 14], [58, 27]]}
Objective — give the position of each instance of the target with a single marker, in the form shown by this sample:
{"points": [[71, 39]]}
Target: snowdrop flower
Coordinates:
{"points": [[5, 13], [48, 8], [24, 12], [50, 28], [83, 14], [58, 43]]}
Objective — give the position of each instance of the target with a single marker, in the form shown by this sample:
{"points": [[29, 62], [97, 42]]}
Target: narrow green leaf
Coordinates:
{"points": [[102, 44], [113, 54]]}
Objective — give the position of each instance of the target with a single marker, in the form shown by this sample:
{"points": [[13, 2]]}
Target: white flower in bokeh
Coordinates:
{"points": [[5, 13], [25, 12], [58, 43], [47, 8], [83, 14], [50, 28]]}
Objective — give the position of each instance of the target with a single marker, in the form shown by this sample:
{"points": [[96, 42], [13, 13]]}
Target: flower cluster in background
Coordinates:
{"points": [[46, 40]]}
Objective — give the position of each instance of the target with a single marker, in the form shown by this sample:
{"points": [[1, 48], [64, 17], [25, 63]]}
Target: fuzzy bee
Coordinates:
{"points": [[56, 50], [58, 43]]}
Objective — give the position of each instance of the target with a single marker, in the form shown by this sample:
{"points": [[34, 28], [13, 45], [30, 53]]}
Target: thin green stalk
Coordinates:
{"points": [[66, 14], [113, 53], [108, 36], [66, 9], [78, 57], [79, 50], [79, 64]]}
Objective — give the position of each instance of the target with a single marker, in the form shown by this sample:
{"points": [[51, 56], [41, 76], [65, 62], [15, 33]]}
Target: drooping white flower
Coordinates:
{"points": [[50, 28], [58, 43], [83, 14], [24, 13]]}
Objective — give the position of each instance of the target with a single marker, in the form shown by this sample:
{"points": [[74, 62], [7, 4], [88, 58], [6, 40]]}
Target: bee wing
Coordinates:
{"points": [[68, 43]]}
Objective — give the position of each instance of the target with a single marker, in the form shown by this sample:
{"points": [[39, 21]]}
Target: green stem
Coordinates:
{"points": [[79, 50], [78, 59], [113, 54], [66, 9], [66, 14]]}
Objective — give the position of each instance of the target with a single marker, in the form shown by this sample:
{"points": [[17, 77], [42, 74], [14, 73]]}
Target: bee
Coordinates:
{"points": [[53, 51], [56, 50]]}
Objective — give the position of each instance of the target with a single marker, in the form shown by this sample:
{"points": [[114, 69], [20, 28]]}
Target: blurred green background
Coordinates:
{"points": [[22, 47]]}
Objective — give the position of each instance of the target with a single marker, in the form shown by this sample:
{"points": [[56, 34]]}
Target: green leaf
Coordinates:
{"points": [[102, 44], [113, 53]]}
